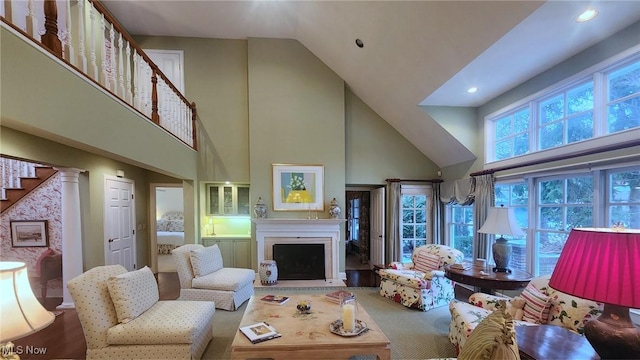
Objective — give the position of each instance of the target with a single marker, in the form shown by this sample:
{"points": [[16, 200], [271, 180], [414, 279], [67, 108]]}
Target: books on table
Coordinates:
{"points": [[274, 299], [335, 295], [260, 332]]}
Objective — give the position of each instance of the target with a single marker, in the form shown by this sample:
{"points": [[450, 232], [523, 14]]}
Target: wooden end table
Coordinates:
{"points": [[488, 280], [307, 336], [552, 342]]}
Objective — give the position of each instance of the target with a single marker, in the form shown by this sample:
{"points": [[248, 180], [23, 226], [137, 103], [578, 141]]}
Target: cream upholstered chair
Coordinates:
{"points": [[203, 277], [122, 318], [421, 284]]}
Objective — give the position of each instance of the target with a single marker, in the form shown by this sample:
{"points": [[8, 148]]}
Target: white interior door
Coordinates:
{"points": [[119, 222], [170, 63], [377, 231]]}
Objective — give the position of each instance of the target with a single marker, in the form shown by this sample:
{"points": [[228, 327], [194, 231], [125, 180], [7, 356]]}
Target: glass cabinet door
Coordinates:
{"points": [[213, 200], [243, 200], [227, 195]]}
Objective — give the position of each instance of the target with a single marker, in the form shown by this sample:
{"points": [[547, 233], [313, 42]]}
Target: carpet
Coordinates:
{"points": [[413, 334]]}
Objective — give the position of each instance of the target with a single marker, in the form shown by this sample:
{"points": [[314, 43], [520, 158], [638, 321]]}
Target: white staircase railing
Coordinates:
{"points": [[12, 170]]}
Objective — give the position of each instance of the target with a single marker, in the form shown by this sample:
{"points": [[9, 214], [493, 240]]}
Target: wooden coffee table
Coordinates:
{"points": [[488, 280], [307, 336]]}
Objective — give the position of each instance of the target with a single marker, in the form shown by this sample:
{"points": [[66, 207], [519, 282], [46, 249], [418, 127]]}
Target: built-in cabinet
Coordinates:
{"points": [[227, 199], [236, 252]]}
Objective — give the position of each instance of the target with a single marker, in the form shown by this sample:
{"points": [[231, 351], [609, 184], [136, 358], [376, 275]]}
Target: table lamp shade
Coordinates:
{"points": [[501, 220], [602, 265], [21, 313]]}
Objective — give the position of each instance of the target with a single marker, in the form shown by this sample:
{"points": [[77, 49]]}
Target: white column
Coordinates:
{"points": [[71, 232]]}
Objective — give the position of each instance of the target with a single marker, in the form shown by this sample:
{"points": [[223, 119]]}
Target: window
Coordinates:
{"points": [[460, 229], [516, 196], [413, 220], [623, 198], [571, 116]]}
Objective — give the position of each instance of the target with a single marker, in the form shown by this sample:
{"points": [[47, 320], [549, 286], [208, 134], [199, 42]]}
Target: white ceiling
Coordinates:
{"points": [[415, 52]]}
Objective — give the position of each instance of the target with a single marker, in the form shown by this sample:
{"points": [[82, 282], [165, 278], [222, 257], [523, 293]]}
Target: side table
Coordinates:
{"points": [[377, 267], [552, 342], [488, 280]]}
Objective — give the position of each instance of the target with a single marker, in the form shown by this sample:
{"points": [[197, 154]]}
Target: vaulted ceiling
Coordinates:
{"points": [[415, 52]]}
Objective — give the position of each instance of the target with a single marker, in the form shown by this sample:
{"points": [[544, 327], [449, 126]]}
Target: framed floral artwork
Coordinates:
{"points": [[298, 187], [29, 233]]}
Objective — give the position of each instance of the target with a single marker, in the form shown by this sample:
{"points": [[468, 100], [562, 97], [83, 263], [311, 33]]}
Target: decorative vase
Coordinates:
{"points": [[260, 209], [268, 272], [334, 209], [298, 196], [502, 255]]}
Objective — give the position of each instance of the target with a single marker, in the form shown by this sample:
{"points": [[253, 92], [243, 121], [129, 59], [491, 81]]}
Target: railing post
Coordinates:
{"points": [[155, 117], [50, 38], [194, 134]]}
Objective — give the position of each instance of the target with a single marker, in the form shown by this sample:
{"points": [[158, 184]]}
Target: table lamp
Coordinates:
{"points": [[501, 220], [603, 265], [21, 313]]}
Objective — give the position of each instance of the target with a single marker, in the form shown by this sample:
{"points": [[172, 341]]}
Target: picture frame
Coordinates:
{"points": [[298, 187], [29, 233]]}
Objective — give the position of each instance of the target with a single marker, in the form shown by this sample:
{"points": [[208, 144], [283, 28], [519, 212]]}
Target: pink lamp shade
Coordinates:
{"points": [[600, 264]]}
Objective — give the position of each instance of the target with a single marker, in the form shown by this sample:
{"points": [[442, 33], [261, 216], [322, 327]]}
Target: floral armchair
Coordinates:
{"points": [[421, 284], [560, 309]]}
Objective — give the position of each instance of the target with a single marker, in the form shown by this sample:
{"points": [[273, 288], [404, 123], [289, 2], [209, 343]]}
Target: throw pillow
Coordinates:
{"points": [[493, 338], [426, 262], [133, 293], [536, 306], [206, 260]]}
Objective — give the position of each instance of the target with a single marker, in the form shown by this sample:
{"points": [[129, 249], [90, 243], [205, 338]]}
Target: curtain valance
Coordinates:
{"points": [[457, 191]]}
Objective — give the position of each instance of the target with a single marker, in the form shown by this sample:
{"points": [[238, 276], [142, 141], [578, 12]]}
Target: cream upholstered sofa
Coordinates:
{"points": [[203, 277], [122, 318], [421, 284], [558, 309]]}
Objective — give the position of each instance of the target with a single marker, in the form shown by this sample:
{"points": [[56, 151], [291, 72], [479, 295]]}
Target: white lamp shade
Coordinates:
{"points": [[501, 220], [21, 313]]}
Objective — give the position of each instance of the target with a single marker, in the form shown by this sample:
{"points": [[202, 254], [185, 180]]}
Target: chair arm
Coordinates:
{"points": [[486, 301], [397, 265], [434, 273]]}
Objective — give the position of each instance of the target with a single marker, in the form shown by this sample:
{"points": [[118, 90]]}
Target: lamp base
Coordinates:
{"points": [[613, 335], [504, 270]]}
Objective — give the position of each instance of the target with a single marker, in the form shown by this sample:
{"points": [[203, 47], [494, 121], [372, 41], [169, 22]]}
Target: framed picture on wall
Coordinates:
{"points": [[298, 187], [29, 233]]}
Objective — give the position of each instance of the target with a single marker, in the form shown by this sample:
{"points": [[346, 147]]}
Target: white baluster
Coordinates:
{"points": [[92, 43], [82, 57], [121, 92], [32, 21], [68, 44], [104, 76], [129, 97], [136, 80], [112, 55]]}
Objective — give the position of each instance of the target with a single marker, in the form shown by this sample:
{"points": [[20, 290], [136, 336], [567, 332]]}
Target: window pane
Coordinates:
{"points": [[551, 136], [503, 127], [580, 99], [519, 194], [551, 192], [625, 193], [521, 121], [407, 231], [580, 190], [421, 231], [552, 109], [407, 216], [624, 82], [624, 115], [503, 150], [521, 144], [549, 246], [580, 127], [579, 217], [551, 218], [421, 216], [407, 202], [407, 250], [501, 194], [420, 201]]}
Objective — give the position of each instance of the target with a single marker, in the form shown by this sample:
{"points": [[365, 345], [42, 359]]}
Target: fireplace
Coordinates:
{"points": [[299, 261], [325, 232]]}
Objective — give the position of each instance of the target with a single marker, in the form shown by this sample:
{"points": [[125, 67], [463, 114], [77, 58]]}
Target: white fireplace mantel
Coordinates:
{"points": [[270, 231]]}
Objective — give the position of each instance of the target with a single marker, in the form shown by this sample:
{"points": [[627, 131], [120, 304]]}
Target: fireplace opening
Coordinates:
{"points": [[299, 261]]}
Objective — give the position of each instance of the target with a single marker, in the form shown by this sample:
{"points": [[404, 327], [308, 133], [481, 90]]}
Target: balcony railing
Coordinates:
{"points": [[83, 34]]}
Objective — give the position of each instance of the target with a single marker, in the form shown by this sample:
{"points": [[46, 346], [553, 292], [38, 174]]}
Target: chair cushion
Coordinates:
{"points": [[493, 338], [133, 293], [536, 306], [166, 322], [426, 262], [226, 279], [206, 260]]}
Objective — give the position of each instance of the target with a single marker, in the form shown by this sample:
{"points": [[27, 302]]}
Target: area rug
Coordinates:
{"points": [[413, 334]]}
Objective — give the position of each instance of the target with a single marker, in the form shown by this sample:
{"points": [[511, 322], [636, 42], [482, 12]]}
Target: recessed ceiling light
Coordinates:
{"points": [[587, 15], [472, 90]]}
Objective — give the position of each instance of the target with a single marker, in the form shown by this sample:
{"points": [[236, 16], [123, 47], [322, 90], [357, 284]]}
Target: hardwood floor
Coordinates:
{"points": [[64, 338]]}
